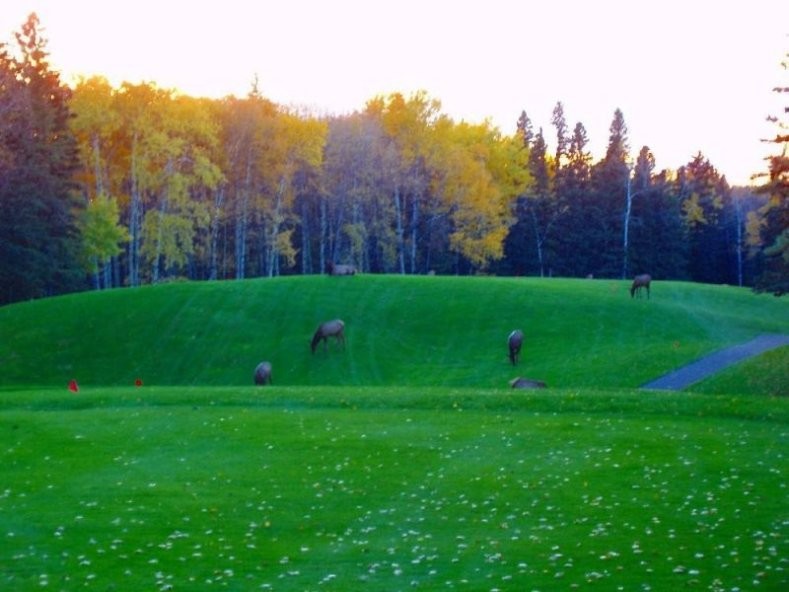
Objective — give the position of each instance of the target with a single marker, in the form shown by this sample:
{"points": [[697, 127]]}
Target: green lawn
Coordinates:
{"points": [[767, 374], [402, 462], [391, 489]]}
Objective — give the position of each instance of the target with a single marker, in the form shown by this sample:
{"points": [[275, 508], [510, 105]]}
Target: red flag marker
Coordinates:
{"points": [[138, 382], [73, 386]]}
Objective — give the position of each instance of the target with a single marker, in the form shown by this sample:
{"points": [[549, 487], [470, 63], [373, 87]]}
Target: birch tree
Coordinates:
{"points": [[96, 125], [481, 174], [244, 125], [188, 135], [295, 147], [407, 126]]}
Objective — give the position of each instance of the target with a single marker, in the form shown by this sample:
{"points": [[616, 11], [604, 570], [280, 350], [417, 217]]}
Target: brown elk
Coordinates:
{"points": [[263, 373], [339, 269], [514, 342], [335, 328], [526, 383], [640, 281]]}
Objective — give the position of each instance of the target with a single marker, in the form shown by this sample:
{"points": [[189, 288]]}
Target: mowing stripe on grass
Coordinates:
{"points": [[709, 365]]}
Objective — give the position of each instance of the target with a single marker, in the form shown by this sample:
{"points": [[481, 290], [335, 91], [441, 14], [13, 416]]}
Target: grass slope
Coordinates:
{"points": [[403, 462], [419, 331]]}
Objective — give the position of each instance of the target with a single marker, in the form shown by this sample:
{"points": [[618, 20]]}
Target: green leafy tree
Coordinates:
{"points": [[184, 145], [141, 158], [102, 236], [96, 125]]}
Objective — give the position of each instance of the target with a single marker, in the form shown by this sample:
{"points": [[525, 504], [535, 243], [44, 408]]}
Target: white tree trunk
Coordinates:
{"points": [[399, 230], [626, 239]]}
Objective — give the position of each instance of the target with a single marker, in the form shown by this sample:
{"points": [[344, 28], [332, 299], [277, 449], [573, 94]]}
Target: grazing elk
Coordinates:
{"points": [[640, 281], [335, 328], [514, 342], [335, 269], [263, 373]]}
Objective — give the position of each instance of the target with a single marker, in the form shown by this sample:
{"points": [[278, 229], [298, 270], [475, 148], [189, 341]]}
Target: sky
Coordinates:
{"points": [[689, 75]]}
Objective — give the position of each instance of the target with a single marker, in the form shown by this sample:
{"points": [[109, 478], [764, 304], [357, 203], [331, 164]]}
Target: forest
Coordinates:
{"points": [[104, 187]]}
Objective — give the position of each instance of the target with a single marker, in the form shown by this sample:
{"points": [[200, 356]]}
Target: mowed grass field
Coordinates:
{"points": [[401, 331], [403, 461]]}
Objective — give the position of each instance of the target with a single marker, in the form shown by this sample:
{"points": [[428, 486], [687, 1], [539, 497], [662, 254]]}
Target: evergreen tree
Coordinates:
{"points": [[773, 222], [524, 129], [705, 198], [658, 241], [38, 156], [518, 246], [573, 193], [606, 214], [539, 203], [645, 164], [747, 202], [536, 214], [562, 139]]}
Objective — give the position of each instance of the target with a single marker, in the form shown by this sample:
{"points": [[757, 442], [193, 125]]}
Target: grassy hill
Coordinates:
{"points": [[417, 331], [403, 462]]}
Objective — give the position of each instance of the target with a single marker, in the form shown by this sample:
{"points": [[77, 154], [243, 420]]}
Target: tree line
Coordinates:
{"points": [[104, 187]]}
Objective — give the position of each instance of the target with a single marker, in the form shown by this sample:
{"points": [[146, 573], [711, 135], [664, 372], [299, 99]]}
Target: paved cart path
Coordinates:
{"points": [[713, 363]]}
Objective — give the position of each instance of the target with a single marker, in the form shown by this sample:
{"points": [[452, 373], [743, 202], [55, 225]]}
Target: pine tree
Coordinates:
{"points": [[574, 196], [658, 241], [537, 213], [38, 156], [705, 199], [524, 129], [774, 216], [605, 217], [562, 140]]}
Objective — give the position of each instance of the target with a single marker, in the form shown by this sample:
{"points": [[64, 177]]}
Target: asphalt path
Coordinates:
{"points": [[713, 363]]}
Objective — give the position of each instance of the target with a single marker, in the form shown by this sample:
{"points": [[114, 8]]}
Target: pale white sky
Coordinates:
{"points": [[689, 75]]}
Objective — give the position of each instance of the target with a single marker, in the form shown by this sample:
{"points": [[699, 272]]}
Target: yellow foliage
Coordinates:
{"points": [[753, 230], [694, 212], [479, 174], [285, 248]]}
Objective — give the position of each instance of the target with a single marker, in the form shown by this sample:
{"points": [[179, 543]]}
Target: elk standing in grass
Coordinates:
{"points": [[640, 281], [335, 328], [515, 341]]}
